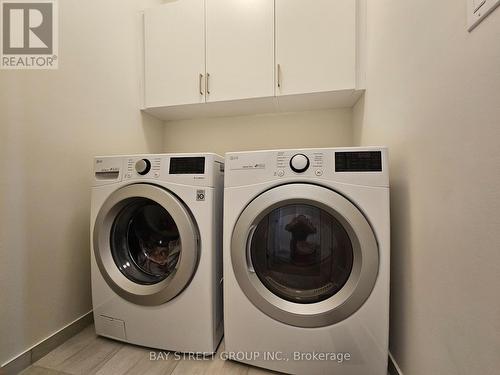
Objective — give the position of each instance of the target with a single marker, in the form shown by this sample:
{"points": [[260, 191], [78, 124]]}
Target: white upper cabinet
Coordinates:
{"points": [[315, 46], [174, 36], [240, 49], [206, 58]]}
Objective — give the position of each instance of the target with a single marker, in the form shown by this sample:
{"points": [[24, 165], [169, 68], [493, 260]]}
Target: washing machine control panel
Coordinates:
{"points": [[143, 167], [203, 169], [107, 170]]}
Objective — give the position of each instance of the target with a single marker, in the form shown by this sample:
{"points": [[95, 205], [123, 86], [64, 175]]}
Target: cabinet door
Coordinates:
{"points": [[240, 49], [315, 45], [175, 53]]}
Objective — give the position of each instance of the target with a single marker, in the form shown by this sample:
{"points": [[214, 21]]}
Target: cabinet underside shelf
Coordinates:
{"points": [[289, 103]]}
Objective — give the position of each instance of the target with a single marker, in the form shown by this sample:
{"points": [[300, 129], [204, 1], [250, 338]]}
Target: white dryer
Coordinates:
{"points": [[156, 250], [306, 260]]}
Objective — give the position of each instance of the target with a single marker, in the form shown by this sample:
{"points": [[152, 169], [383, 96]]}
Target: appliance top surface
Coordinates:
{"points": [[186, 154], [195, 169], [318, 149], [368, 166]]}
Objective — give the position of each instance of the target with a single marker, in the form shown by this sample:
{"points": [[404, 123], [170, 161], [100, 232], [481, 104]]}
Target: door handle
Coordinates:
{"points": [[208, 83], [201, 82]]}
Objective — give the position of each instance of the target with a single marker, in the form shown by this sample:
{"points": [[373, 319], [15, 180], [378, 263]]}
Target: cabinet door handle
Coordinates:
{"points": [[279, 75], [208, 83], [201, 82]]}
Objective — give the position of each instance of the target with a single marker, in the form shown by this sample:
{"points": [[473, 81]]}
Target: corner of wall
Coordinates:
{"points": [[358, 121], [394, 368], [154, 132]]}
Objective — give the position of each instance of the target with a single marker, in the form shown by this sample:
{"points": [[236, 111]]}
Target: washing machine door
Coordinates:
{"points": [[304, 255], [146, 244]]}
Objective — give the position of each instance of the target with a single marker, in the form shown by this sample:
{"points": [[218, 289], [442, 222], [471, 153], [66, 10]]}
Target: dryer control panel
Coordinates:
{"points": [[366, 166]]}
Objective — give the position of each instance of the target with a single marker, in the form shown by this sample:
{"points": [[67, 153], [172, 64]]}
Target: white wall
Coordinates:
{"points": [[270, 131], [433, 96], [51, 125], [428, 99]]}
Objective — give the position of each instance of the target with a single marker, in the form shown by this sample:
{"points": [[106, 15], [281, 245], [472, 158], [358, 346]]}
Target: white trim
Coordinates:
{"points": [[45, 339], [395, 365], [142, 62]]}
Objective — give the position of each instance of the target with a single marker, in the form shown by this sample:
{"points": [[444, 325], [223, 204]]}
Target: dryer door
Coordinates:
{"points": [[304, 255], [146, 244]]}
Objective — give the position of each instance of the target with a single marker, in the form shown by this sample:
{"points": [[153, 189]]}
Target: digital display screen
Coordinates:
{"points": [[361, 161], [187, 165]]}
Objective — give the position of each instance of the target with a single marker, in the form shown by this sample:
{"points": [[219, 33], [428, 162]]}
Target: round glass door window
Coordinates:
{"points": [[301, 253], [145, 242]]}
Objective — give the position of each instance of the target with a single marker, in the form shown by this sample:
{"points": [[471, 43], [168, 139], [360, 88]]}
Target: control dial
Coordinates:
{"points": [[143, 166], [299, 163]]}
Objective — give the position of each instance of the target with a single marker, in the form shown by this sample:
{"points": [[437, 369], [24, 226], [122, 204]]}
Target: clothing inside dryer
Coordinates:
{"points": [[145, 242], [301, 253]]}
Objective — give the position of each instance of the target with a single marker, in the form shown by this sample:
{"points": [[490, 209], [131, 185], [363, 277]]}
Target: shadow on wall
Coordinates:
{"points": [[152, 128], [328, 128], [401, 232], [358, 121], [401, 272]]}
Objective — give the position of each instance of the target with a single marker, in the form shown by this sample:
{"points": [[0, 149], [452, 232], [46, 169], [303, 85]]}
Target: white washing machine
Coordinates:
{"points": [[306, 260], [157, 250]]}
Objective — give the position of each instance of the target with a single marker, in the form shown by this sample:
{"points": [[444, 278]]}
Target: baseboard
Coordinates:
{"points": [[393, 366], [43, 347]]}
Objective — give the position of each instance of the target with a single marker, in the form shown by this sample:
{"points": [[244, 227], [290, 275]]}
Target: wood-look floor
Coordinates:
{"points": [[88, 354]]}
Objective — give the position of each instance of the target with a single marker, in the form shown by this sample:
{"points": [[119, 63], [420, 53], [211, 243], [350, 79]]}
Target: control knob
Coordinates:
{"points": [[143, 166], [299, 163]]}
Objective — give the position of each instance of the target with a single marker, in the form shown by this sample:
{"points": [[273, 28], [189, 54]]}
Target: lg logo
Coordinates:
{"points": [[29, 34]]}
